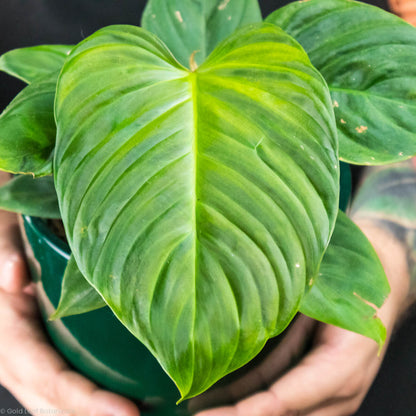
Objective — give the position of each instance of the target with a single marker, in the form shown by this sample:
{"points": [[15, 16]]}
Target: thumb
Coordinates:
{"points": [[13, 270]]}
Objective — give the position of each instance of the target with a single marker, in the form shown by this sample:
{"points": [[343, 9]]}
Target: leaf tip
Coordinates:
{"points": [[185, 393], [54, 317], [60, 312], [382, 340]]}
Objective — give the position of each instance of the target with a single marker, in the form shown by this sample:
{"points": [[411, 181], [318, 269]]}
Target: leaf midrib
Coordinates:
{"points": [[194, 151]]}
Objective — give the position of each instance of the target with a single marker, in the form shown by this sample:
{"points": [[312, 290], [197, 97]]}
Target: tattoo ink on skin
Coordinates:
{"points": [[387, 196]]}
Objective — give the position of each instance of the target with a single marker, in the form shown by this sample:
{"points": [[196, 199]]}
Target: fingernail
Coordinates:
{"points": [[11, 279]]}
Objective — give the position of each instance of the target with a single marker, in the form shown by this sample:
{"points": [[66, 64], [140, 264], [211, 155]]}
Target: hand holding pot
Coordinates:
{"points": [[334, 377], [29, 367]]}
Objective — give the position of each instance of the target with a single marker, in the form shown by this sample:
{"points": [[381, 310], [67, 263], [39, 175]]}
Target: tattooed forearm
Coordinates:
{"points": [[387, 197]]}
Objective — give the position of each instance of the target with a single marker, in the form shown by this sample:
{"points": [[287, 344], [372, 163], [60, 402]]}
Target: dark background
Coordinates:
{"points": [[33, 22]]}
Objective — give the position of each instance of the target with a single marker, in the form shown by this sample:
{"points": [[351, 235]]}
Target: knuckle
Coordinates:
{"points": [[353, 407], [54, 388], [352, 388], [48, 389], [292, 413]]}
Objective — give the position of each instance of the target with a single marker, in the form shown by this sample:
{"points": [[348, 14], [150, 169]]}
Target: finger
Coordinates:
{"points": [[330, 372], [29, 363], [13, 269], [268, 406], [337, 408], [219, 411], [30, 289], [306, 385], [319, 377], [83, 398], [52, 383], [269, 366], [407, 7], [261, 404], [35, 402], [276, 401], [322, 375], [404, 8], [341, 367], [348, 401]]}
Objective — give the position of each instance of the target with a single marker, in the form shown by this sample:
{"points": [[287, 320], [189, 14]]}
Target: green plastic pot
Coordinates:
{"points": [[96, 343]]}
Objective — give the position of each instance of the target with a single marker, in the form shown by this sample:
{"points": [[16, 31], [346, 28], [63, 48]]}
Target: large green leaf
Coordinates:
{"points": [[35, 62], [195, 27], [197, 203], [27, 130], [350, 284], [368, 57], [29, 196], [77, 295]]}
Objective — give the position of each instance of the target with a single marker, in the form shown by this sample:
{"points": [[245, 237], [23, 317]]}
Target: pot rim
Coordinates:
{"points": [[44, 233]]}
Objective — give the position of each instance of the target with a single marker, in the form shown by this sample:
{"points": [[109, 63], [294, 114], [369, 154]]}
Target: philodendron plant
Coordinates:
{"points": [[196, 166]]}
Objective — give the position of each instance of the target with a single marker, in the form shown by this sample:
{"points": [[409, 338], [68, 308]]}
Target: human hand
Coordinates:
{"points": [[29, 366], [405, 9], [335, 375]]}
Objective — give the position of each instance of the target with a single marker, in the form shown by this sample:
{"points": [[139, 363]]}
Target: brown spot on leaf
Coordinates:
{"points": [[223, 5], [192, 63], [361, 129], [367, 302], [179, 16]]}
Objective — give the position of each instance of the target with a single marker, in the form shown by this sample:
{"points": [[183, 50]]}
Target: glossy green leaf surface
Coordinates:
{"points": [[33, 63], [27, 130], [30, 196], [197, 26], [27, 125], [351, 283], [368, 57], [77, 295], [197, 203]]}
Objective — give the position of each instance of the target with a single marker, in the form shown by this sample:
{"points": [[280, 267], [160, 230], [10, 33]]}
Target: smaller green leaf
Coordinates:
{"points": [[30, 196], [367, 56], [195, 27], [28, 131], [350, 285], [27, 125], [33, 63], [77, 295]]}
